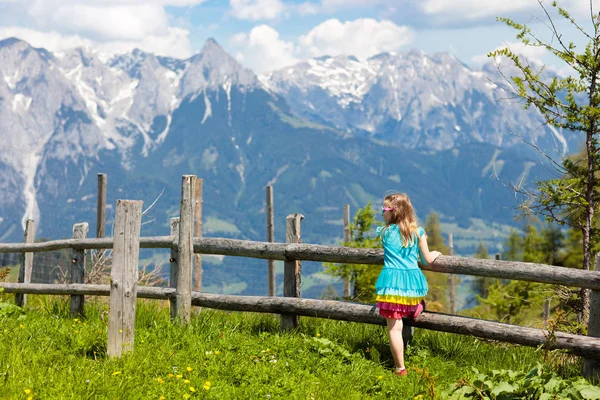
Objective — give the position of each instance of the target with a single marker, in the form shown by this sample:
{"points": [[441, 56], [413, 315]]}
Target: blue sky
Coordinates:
{"points": [[271, 34]]}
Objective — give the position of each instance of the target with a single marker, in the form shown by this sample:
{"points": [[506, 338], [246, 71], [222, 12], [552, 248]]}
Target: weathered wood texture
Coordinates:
{"points": [[291, 270], [270, 238], [77, 273], [591, 367], [198, 233], [344, 311], [149, 242], [183, 298], [26, 262], [101, 206], [124, 277], [310, 252], [173, 268], [346, 280], [451, 279]]}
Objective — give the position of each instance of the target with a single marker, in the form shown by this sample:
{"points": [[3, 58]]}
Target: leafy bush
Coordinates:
{"points": [[536, 384], [10, 310]]}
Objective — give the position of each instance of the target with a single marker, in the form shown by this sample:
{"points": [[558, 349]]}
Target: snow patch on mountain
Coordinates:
{"points": [[411, 99], [21, 103]]}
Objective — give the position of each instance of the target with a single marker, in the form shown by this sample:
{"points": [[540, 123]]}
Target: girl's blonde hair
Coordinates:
{"points": [[403, 215]]}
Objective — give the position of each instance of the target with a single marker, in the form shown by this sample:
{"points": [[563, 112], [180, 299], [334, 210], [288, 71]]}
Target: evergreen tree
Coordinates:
{"points": [[552, 243], [433, 229], [482, 251], [437, 298], [533, 247], [363, 276], [514, 246], [481, 284], [573, 257], [569, 104]]}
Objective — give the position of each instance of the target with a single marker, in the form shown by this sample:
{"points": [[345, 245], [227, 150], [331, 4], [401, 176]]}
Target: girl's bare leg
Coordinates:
{"points": [[396, 341]]}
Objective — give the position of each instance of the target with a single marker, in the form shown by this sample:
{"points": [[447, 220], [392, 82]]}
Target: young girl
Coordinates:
{"points": [[401, 286]]}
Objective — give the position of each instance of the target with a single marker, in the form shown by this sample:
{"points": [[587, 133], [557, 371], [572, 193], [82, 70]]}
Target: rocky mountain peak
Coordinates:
{"points": [[13, 42], [213, 67]]}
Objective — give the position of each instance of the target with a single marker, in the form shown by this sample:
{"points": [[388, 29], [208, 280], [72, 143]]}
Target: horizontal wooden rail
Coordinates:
{"points": [[150, 242], [337, 254], [577, 344]]}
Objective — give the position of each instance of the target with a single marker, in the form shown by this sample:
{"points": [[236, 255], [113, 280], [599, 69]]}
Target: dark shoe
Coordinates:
{"points": [[419, 309]]}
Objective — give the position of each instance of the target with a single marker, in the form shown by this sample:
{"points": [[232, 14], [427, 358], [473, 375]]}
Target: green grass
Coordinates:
{"points": [[228, 356], [491, 234], [216, 225]]}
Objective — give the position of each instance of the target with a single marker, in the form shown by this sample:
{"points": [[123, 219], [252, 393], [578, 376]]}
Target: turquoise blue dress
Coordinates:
{"points": [[401, 285]]}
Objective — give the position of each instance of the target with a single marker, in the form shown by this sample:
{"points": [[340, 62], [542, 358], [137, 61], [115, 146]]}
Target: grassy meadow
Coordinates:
{"points": [[46, 354]]}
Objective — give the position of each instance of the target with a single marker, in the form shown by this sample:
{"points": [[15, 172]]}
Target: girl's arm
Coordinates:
{"points": [[427, 256]]}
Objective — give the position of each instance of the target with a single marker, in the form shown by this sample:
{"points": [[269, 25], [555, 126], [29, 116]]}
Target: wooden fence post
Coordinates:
{"points": [[346, 280], [26, 263], [77, 273], [270, 238], [101, 206], [198, 233], [591, 367], [185, 257], [452, 279], [124, 277], [174, 268], [292, 270], [546, 312]]}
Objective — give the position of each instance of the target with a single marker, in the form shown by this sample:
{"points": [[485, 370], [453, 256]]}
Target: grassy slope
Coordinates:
{"points": [[242, 355]]}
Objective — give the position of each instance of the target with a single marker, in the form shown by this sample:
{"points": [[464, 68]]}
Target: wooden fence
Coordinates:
{"points": [[123, 288]]}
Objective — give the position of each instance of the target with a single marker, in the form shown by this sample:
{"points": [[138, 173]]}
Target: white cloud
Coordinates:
{"points": [[473, 10], [262, 49], [256, 10], [532, 53], [122, 22], [329, 6], [51, 41], [174, 43], [109, 25], [362, 38]]}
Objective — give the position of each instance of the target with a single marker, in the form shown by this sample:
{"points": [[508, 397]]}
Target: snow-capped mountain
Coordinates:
{"points": [[71, 106], [146, 120], [410, 99]]}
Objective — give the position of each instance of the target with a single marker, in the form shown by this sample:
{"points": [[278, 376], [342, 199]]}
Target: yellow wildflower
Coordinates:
{"points": [[116, 373], [178, 376], [162, 398], [186, 396], [29, 397], [217, 352], [206, 385], [170, 375], [380, 377], [192, 389], [189, 369], [27, 391], [22, 326], [160, 380], [186, 381]]}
